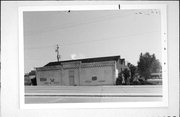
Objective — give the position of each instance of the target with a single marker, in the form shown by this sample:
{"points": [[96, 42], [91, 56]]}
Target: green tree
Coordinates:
{"points": [[147, 64]]}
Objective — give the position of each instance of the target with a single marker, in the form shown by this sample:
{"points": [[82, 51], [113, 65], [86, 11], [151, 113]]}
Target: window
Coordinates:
{"points": [[94, 78], [43, 79]]}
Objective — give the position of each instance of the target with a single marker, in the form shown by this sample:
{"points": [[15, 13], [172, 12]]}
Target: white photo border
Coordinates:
{"points": [[163, 103]]}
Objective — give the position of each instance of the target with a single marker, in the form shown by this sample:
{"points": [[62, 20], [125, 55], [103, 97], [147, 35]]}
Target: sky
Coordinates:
{"points": [[88, 34]]}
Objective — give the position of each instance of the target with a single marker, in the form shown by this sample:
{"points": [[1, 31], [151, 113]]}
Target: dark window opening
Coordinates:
{"points": [[34, 82], [94, 78], [43, 79]]}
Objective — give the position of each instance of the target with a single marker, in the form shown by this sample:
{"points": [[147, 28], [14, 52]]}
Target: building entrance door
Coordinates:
{"points": [[71, 77]]}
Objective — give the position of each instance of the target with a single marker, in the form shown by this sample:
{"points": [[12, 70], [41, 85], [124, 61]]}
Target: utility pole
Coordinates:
{"points": [[57, 50]]}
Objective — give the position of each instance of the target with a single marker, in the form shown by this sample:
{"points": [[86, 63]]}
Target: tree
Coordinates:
{"points": [[27, 80], [119, 79], [156, 66], [123, 77], [127, 75], [147, 64], [133, 70]]}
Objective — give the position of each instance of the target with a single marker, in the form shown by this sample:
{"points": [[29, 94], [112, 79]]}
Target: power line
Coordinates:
{"points": [[90, 21], [95, 40], [81, 23]]}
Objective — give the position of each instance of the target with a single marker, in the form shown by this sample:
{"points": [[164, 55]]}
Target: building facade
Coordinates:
{"points": [[81, 72]]}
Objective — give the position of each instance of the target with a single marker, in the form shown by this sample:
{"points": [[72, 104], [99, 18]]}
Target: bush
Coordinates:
{"points": [[119, 81]]}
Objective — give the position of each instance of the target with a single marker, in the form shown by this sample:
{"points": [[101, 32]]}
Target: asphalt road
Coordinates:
{"points": [[81, 94]]}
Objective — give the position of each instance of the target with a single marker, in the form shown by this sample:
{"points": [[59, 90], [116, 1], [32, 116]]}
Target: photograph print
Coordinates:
{"points": [[92, 56]]}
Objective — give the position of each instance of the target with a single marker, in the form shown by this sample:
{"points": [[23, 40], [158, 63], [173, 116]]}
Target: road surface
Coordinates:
{"points": [[80, 94]]}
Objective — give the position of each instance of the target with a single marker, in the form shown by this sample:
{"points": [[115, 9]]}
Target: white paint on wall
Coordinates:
{"points": [[84, 74], [51, 77], [104, 76]]}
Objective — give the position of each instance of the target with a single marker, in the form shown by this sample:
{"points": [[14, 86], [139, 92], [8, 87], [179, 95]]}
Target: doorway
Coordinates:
{"points": [[71, 77]]}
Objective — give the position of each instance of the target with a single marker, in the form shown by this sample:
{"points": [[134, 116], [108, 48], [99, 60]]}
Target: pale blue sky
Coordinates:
{"points": [[86, 34]]}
